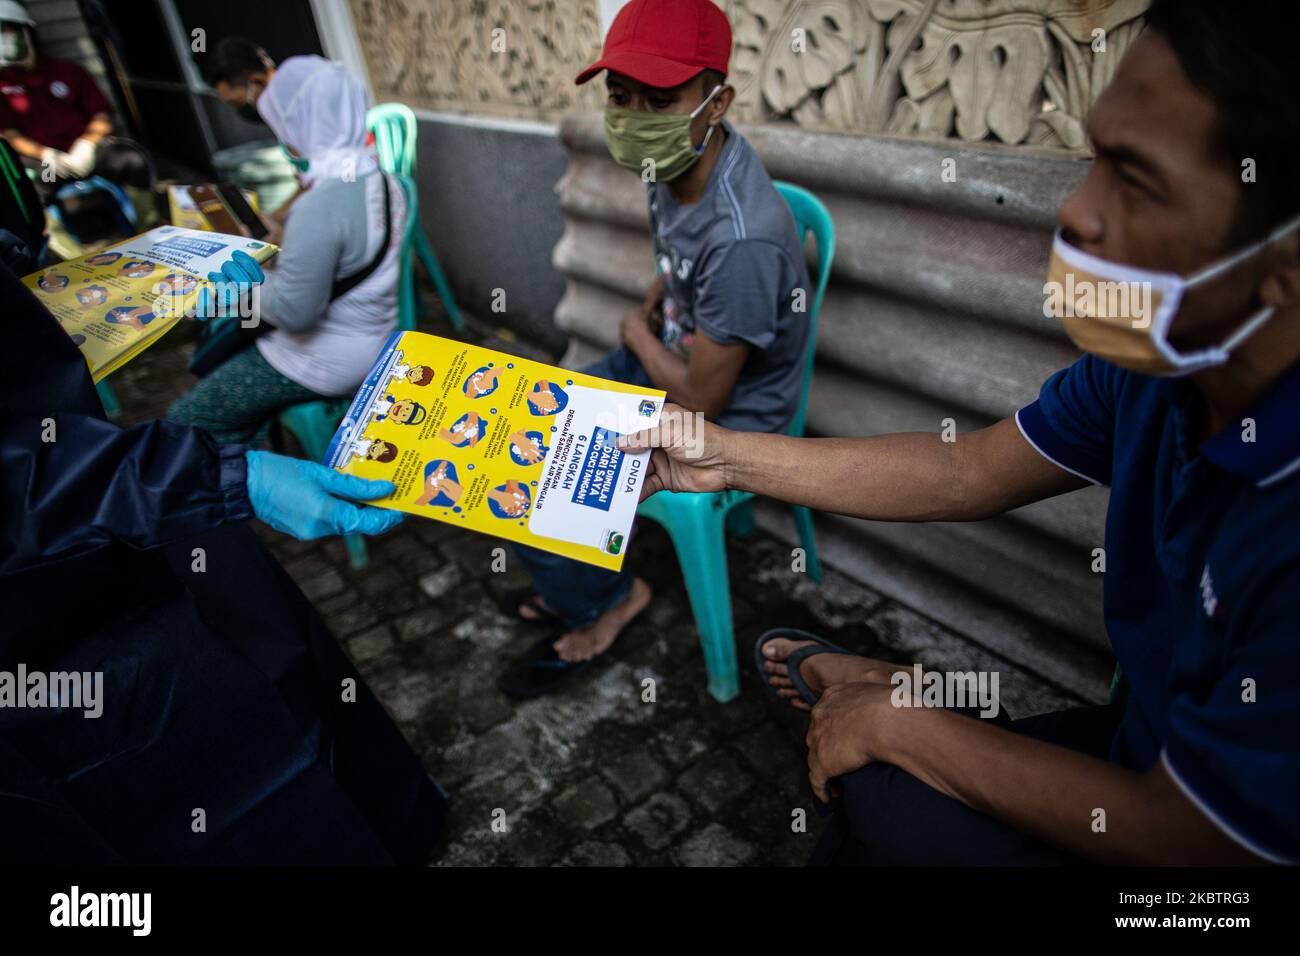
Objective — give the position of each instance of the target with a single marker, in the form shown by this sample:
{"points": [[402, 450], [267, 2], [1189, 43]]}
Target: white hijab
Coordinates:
{"points": [[319, 108]]}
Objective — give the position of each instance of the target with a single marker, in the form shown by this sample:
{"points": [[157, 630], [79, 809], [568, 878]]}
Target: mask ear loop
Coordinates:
{"points": [[1218, 354], [696, 112], [1218, 268]]}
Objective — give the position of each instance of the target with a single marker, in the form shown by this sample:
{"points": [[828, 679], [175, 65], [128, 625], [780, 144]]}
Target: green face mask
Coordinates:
{"points": [[297, 162], [635, 136]]}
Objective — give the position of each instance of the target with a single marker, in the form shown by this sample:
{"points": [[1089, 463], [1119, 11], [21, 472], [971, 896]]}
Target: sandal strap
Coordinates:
{"points": [[793, 662]]}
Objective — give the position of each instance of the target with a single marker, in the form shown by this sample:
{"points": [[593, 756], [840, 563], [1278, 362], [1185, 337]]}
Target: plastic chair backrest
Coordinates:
{"points": [[810, 215], [406, 280], [394, 128]]}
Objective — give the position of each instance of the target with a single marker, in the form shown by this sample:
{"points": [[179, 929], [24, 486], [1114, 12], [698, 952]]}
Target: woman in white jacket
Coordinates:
{"points": [[349, 222]]}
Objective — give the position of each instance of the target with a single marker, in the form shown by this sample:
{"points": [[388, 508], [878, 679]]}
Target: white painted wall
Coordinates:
{"points": [[608, 10], [338, 35]]}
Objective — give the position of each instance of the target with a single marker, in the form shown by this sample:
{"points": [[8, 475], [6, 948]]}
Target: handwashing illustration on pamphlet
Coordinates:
{"points": [[117, 302], [500, 444]]}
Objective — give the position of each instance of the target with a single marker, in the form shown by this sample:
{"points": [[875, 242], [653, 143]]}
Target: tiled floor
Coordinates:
{"points": [[595, 774]]}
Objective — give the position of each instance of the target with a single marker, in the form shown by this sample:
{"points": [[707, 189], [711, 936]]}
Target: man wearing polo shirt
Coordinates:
{"points": [[1190, 411], [54, 115]]}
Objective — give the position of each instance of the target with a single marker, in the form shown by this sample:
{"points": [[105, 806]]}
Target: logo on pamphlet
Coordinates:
{"points": [[646, 409], [611, 542]]}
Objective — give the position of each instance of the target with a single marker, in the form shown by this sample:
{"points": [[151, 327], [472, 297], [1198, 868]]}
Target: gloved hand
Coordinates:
{"points": [[237, 277], [64, 165], [82, 157], [297, 497]]}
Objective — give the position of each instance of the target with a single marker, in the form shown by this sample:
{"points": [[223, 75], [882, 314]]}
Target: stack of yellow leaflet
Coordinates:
{"points": [[188, 205], [119, 301]]}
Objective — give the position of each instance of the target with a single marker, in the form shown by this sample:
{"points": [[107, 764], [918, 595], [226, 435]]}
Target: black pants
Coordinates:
{"points": [[886, 817]]}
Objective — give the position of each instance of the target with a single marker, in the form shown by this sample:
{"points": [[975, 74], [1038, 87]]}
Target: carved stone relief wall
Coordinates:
{"points": [[1011, 71], [1017, 72], [505, 57]]}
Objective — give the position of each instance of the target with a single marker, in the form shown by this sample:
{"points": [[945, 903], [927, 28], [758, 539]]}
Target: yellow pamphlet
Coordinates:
{"points": [[119, 301], [500, 444]]}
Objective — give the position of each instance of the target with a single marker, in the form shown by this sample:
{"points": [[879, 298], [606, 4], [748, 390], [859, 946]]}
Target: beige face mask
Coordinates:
{"points": [[1123, 314]]}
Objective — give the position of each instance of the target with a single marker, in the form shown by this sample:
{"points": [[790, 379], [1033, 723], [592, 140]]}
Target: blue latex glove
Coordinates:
{"points": [[237, 277], [297, 497]]}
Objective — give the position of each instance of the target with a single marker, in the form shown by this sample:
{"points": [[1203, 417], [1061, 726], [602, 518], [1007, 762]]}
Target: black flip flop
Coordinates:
{"points": [[794, 660], [540, 670], [512, 601]]}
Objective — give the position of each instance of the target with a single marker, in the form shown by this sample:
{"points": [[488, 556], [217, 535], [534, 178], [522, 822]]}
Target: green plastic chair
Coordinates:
{"points": [[696, 523], [314, 423], [108, 398], [394, 128]]}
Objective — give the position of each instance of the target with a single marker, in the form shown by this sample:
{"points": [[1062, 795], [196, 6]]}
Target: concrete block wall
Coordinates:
{"points": [[489, 207]]}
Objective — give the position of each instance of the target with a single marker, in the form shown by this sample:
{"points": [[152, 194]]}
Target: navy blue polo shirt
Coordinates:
{"points": [[1202, 589]]}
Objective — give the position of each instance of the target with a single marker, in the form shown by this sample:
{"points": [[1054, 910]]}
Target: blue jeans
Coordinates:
{"points": [[579, 593]]}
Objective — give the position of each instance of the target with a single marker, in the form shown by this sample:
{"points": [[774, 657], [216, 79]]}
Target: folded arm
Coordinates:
{"points": [[703, 383], [1097, 810]]}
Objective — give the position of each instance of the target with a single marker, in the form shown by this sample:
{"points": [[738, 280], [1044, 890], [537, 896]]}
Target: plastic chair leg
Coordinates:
{"points": [[702, 554], [431, 266], [740, 520], [356, 546], [803, 521], [112, 407]]}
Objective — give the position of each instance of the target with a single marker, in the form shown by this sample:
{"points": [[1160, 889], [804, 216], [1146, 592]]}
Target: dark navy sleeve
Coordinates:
{"points": [[1235, 751], [72, 483], [1072, 424]]}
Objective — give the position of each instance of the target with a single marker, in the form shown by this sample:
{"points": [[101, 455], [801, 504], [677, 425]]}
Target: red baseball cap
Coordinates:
{"points": [[664, 43]]}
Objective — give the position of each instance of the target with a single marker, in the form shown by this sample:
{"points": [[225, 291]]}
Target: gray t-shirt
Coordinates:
{"points": [[731, 264]]}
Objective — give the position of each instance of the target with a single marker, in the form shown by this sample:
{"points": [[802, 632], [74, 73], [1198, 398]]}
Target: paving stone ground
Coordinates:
{"points": [[595, 774]]}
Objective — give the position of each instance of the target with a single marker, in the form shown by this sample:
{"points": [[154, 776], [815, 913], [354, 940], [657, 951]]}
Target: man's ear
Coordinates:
{"points": [[1281, 285], [719, 105]]}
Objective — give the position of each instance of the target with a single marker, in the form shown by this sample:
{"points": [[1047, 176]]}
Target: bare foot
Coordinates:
{"points": [[535, 608], [819, 671], [597, 637]]}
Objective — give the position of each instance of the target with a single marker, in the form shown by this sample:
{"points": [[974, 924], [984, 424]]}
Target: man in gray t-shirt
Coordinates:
{"points": [[730, 265], [724, 328]]}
